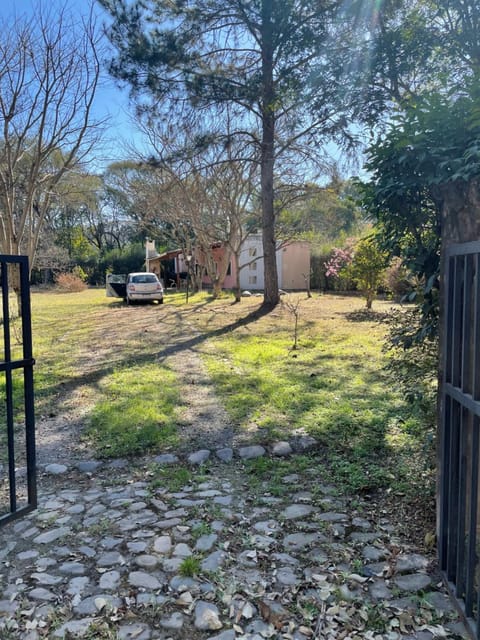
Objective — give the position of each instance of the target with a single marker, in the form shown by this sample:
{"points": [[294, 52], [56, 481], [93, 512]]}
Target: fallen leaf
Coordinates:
{"points": [[437, 630], [273, 613], [357, 578], [306, 631], [185, 599]]}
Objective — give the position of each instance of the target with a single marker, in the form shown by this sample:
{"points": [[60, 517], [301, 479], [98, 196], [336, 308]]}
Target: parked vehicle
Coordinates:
{"points": [[135, 287], [144, 287]]}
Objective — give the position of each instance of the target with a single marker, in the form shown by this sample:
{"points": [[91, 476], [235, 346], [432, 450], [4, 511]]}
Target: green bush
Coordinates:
{"points": [[397, 279], [413, 366], [130, 258]]}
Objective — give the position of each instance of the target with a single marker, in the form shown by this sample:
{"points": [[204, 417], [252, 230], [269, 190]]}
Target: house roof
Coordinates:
{"points": [[168, 255]]}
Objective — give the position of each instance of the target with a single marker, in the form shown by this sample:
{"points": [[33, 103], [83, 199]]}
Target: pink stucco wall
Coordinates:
{"points": [[295, 263], [219, 255]]}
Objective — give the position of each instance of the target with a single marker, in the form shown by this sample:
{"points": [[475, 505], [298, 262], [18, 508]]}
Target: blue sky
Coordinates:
{"points": [[111, 102]]}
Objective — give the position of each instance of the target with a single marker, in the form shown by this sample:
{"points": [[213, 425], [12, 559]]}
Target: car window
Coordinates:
{"points": [[143, 279]]}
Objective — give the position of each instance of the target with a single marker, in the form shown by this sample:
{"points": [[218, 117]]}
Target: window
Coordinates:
{"points": [[253, 266], [252, 279], [148, 278], [252, 252]]}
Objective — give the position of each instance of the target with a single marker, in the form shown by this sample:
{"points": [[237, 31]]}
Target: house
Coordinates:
{"points": [[170, 266], [293, 265]]}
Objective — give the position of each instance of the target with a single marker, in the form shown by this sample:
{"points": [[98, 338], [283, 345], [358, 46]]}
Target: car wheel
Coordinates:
{"points": [[160, 301]]}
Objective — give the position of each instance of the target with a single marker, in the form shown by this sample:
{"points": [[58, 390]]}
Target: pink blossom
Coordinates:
{"points": [[339, 259]]}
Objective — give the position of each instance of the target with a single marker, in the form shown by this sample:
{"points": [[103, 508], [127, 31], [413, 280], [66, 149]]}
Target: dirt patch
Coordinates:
{"points": [[205, 423]]}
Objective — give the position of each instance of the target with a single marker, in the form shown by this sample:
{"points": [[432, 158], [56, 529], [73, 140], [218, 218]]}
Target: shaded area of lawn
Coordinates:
{"points": [[113, 361]]}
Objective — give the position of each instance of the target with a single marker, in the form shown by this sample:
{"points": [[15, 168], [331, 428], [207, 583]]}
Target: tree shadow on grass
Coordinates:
{"points": [[366, 315], [93, 377]]}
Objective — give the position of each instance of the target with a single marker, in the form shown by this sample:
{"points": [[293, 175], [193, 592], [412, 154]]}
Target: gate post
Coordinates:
{"points": [[18, 505]]}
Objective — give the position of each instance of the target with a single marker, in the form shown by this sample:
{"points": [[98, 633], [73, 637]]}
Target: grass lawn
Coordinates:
{"points": [[95, 360], [106, 361], [333, 386]]}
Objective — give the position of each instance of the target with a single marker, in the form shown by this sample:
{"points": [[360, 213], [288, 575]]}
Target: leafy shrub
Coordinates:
{"points": [[413, 366], [397, 279], [70, 282], [361, 263], [80, 273], [130, 258], [367, 268]]}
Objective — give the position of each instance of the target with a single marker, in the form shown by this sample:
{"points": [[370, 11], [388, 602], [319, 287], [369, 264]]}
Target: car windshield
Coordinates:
{"points": [[143, 279]]}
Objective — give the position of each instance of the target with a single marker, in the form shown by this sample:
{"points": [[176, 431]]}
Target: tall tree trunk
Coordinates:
{"points": [[237, 292], [271, 295], [217, 288]]}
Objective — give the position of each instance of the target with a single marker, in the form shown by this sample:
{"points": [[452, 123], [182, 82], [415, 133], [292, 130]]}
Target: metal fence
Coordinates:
{"points": [[18, 493], [459, 525]]}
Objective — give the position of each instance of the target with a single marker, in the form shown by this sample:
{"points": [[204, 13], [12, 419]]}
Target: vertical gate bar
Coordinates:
{"points": [[446, 422], [10, 440], [445, 481], [461, 501], [8, 390], [476, 332], [28, 385], [453, 494], [464, 382], [472, 533], [466, 377], [449, 285], [455, 543], [457, 321]]}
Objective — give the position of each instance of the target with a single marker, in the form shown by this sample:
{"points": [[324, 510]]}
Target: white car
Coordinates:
{"points": [[144, 287]]}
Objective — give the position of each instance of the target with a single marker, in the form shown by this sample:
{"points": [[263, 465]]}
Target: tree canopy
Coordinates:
{"points": [[424, 166], [264, 71]]}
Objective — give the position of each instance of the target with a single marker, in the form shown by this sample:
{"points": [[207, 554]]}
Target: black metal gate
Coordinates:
{"points": [[18, 493], [459, 524]]}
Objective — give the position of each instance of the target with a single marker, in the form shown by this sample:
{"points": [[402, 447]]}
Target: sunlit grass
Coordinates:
{"points": [[65, 330], [92, 358], [332, 387], [332, 384], [169, 477], [96, 353], [137, 413]]}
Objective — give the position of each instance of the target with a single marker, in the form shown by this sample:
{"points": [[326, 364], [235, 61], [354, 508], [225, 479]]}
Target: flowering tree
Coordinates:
{"points": [[363, 263]]}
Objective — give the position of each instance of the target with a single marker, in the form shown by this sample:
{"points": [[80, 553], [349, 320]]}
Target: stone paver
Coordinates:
{"points": [[110, 549]]}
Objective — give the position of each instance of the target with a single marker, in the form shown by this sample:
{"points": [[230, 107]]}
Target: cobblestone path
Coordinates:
{"points": [[228, 544]]}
